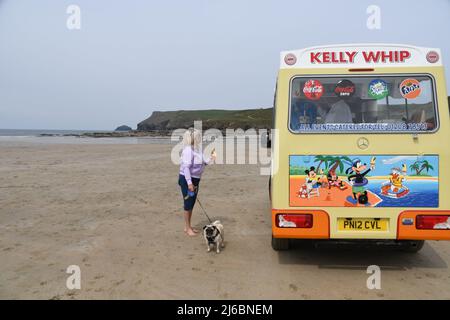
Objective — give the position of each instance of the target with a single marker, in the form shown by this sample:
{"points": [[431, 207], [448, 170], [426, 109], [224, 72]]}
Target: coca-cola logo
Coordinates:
{"points": [[344, 89], [313, 89]]}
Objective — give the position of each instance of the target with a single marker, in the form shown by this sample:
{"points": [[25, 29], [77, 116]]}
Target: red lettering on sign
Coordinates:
{"points": [[333, 57], [368, 56], [387, 56], [315, 57], [371, 56], [404, 55], [351, 56]]}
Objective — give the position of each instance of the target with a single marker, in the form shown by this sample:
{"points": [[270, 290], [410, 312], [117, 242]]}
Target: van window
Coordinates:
{"points": [[376, 103]]}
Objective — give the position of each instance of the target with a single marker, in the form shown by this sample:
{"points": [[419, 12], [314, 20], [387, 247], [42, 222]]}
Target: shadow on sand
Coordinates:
{"points": [[352, 256]]}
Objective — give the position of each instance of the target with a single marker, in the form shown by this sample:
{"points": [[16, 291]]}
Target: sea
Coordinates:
{"points": [[70, 137], [37, 132], [423, 193]]}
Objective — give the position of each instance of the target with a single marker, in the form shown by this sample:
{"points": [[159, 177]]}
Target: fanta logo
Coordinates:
{"points": [[410, 88]]}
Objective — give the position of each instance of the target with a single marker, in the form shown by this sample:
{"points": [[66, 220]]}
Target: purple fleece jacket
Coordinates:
{"points": [[192, 163]]}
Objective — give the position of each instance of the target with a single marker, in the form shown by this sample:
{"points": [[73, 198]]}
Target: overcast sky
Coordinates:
{"points": [[132, 57]]}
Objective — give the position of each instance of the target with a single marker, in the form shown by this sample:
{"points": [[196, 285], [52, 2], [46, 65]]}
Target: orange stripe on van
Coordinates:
{"points": [[319, 230], [410, 232]]}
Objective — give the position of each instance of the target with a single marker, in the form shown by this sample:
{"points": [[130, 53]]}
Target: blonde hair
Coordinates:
{"points": [[192, 137]]}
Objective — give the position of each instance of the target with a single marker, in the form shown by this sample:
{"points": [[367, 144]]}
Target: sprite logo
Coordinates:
{"points": [[378, 89]]}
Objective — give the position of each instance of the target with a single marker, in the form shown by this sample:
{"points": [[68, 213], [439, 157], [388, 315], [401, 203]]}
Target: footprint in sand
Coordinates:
{"points": [[293, 287], [431, 275], [118, 283]]}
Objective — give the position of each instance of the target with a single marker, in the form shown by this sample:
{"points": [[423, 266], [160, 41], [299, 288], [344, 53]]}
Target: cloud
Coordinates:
{"points": [[398, 159]]}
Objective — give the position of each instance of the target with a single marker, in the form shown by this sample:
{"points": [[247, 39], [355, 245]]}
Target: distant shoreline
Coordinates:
{"points": [[91, 134], [82, 133], [112, 134]]}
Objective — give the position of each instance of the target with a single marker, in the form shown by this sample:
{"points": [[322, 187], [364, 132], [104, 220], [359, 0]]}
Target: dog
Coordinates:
{"points": [[214, 235]]}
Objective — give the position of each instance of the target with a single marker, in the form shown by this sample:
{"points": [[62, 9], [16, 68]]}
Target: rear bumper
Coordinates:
{"points": [[322, 225]]}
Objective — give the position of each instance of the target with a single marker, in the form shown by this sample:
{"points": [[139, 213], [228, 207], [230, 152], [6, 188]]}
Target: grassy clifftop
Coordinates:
{"points": [[220, 119]]}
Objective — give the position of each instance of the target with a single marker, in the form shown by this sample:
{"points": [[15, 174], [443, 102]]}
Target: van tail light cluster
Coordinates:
{"points": [[436, 222], [285, 220]]}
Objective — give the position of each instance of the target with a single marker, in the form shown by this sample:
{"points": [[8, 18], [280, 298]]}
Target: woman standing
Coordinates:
{"points": [[191, 168]]}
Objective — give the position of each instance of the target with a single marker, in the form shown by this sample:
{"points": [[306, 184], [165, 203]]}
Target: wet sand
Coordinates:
{"points": [[115, 210]]}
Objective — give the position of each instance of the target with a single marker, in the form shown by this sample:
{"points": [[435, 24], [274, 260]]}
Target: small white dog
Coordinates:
{"points": [[214, 235]]}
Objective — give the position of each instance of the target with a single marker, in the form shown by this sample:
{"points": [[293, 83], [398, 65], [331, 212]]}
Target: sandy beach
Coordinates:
{"points": [[115, 211]]}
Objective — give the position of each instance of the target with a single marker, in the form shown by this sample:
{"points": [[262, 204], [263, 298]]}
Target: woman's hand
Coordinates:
{"points": [[213, 155], [191, 187]]}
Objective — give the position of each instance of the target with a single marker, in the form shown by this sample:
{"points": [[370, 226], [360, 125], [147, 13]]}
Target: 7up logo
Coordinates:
{"points": [[378, 89]]}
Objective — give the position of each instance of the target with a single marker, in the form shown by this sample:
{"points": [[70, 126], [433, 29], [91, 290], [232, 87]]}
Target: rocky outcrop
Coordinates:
{"points": [[219, 119], [123, 128]]}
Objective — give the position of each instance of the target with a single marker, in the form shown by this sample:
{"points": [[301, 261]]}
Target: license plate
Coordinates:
{"points": [[362, 224]]}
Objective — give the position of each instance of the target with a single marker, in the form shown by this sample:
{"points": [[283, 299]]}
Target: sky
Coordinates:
{"points": [[133, 57]]}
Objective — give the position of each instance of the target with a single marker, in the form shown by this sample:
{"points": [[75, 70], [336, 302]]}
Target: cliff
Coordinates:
{"points": [[219, 119]]}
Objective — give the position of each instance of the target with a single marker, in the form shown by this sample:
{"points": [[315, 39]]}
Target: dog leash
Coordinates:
{"points": [[191, 194], [210, 221], [204, 211]]}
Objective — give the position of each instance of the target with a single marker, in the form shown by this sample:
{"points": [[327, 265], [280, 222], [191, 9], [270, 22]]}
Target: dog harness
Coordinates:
{"points": [[212, 238]]}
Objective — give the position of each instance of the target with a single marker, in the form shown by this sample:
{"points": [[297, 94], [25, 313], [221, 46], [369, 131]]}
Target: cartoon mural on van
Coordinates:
{"points": [[362, 180]]}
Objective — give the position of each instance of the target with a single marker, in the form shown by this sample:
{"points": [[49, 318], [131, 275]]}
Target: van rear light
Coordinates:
{"points": [[432, 222], [294, 220]]}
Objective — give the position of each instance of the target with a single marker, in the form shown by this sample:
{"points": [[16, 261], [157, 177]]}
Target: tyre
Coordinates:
{"points": [[413, 246], [280, 244]]}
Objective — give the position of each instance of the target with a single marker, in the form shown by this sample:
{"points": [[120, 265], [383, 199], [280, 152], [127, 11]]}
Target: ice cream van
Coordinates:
{"points": [[361, 146]]}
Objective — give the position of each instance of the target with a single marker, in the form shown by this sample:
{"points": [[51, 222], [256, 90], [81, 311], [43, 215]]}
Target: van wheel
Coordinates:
{"points": [[413, 246], [280, 244]]}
